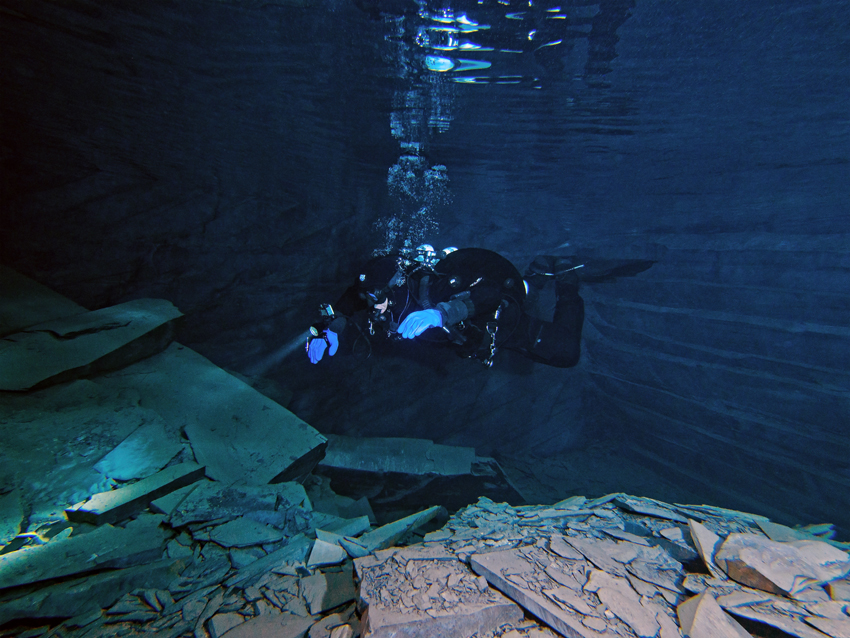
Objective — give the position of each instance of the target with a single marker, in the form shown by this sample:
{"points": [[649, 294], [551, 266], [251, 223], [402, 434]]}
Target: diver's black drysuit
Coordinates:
{"points": [[481, 298]]}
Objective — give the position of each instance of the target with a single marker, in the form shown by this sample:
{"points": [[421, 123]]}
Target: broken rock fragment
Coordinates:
{"points": [[647, 507], [623, 602], [115, 505], [244, 532], [324, 553], [88, 594], [141, 541], [781, 567], [422, 592], [271, 626], [343, 631], [240, 435], [283, 505], [325, 591], [702, 617], [402, 473], [518, 577], [389, 534], [834, 627], [839, 589], [706, 543]]}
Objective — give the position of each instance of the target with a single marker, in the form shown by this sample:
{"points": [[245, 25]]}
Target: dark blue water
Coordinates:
{"points": [[241, 160]]}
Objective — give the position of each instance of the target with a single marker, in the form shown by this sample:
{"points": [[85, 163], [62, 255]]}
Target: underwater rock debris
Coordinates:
{"points": [[231, 546], [401, 473]]}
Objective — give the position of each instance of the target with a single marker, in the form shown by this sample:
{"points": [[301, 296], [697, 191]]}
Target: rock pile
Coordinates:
{"points": [[613, 566], [168, 498]]}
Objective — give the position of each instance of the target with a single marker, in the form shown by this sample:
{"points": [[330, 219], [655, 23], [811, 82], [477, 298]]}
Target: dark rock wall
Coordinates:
{"points": [[232, 157]]}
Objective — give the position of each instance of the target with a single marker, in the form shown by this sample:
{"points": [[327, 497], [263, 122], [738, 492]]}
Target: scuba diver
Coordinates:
{"points": [[471, 298]]}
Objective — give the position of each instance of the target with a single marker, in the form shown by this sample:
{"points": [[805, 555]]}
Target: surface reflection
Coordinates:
{"points": [[435, 48]]}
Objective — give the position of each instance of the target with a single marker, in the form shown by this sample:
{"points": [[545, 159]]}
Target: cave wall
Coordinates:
{"points": [[232, 157]]}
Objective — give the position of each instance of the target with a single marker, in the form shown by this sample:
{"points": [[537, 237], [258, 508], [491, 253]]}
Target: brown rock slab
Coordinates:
{"points": [[558, 545], [272, 626], [673, 534], [569, 597], [781, 568], [324, 627], [140, 541], [64, 349], [702, 617], [633, 538], [653, 565], [699, 511], [116, 505], [422, 592], [353, 548], [669, 628], [783, 533], [84, 420], [742, 597]]}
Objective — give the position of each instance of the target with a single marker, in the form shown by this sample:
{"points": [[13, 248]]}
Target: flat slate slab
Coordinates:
{"points": [[240, 435], [52, 437], [89, 593], [25, 303], [244, 532], [141, 541], [702, 617], [565, 608], [401, 473], [116, 505], [73, 347], [324, 591], [283, 505], [146, 451], [389, 534]]}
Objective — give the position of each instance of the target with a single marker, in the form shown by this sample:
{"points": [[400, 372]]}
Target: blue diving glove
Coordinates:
{"points": [[418, 322], [316, 346]]}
